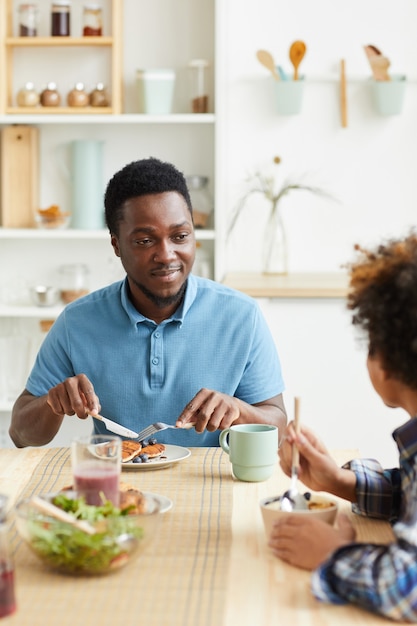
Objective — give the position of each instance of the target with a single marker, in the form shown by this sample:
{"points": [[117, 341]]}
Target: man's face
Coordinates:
{"points": [[156, 245]]}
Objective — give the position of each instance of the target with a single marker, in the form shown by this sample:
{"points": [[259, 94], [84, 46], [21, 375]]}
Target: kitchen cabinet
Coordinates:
{"points": [[31, 256]]}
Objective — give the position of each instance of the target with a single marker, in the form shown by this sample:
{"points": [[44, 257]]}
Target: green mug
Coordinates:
{"points": [[252, 449]]}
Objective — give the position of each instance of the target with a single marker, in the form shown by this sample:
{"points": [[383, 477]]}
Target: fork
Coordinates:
{"points": [[155, 428]]}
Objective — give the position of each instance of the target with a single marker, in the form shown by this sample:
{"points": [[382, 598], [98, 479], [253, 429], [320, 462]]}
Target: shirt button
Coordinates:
{"points": [[157, 335], [155, 361]]}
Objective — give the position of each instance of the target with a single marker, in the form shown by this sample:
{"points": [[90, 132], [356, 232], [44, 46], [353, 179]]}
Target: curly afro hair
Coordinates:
{"points": [[140, 178], [383, 298]]}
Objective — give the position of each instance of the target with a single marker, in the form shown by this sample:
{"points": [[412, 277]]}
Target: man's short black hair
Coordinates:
{"points": [[140, 178]]}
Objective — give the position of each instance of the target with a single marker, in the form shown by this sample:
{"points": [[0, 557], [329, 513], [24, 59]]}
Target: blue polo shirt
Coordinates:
{"points": [[145, 372]]}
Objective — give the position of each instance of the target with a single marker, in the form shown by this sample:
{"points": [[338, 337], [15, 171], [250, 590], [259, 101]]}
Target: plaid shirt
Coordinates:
{"points": [[380, 578]]}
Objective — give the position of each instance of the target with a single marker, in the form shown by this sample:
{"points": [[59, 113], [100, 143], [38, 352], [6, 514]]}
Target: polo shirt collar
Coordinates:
{"points": [[178, 316]]}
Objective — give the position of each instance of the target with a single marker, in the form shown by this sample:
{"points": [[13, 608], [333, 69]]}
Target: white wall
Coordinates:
{"points": [[369, 166]]}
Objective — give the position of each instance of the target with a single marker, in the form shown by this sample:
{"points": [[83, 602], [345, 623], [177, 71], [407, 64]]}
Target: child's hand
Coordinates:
{"points": [[318, 470], [306, 541]]}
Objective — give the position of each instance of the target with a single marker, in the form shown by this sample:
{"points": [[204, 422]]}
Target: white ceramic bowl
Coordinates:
{"points": [[326, 510]]}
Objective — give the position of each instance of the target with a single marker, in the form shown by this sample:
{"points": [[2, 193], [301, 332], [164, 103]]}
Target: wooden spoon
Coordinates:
{"points": [[266, 59], [379, 64], [297, 52]]}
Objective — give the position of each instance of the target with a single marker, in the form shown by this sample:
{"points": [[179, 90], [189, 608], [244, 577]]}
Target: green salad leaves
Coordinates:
{"points": [[69, 549]]}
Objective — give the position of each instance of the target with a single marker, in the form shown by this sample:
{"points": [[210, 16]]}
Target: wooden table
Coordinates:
{"points": [[209, 567]]}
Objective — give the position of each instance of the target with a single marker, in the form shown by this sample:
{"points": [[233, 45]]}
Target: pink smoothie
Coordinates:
{"points": [[7, 597], [91, 479]]}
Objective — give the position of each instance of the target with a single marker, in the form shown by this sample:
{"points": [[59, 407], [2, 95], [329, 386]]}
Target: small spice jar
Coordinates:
{"points": [[78, 97], [27, 96], [92, 20], [99, 97], [50, 96], [28, 20], [198, 69], [61, 18]]}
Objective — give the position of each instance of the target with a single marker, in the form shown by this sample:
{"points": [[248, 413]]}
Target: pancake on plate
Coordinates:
{"points": [[153, 450], [130, 449]]}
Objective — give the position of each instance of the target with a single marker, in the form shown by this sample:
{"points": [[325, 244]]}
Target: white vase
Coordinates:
{"points": [[275, 253]]}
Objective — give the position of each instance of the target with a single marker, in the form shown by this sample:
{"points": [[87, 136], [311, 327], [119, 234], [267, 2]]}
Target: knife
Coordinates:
{"points": [[114, 427]]}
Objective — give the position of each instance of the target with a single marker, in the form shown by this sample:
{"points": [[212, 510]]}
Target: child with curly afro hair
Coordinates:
{"points": [[381, 578]]}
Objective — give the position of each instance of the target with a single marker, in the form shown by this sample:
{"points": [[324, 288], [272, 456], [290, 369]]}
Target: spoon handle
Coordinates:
{"points": [[295, 452]]}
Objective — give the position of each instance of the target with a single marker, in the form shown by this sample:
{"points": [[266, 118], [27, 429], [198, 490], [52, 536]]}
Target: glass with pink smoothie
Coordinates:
{"points": [[96, 468]]}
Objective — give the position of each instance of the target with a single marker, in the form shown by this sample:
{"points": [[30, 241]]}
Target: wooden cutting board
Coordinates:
{"points": [[19, 176]]}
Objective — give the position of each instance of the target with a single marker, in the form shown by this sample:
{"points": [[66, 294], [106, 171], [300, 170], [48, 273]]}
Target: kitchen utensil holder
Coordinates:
{"points": [[388, 95], [289, 96]]}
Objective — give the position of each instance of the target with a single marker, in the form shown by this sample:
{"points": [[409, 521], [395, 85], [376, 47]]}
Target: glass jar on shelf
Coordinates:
{"points": [[50, 97], [202, 261], [78, 97], [92, 20], [61, 18], [27, 96], [99, 97], [200, 199], [28, 19], [74, 281], [198, 69]]}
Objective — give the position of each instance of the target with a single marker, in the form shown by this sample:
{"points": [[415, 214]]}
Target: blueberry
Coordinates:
{"points": [[152, 441], [137, 459], [145, 443], [144, 457]]}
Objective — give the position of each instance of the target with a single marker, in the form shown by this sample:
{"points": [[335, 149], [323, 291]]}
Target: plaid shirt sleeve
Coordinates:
{"points": [[379, 578], [378, 490]]}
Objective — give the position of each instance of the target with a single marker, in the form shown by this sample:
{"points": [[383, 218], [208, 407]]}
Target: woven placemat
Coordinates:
{"points": [[180, 580]]}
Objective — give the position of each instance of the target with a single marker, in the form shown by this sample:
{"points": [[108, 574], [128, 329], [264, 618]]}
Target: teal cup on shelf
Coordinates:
{"points": [[289, 96], [156, 91], [252, 449], [388, 95]]}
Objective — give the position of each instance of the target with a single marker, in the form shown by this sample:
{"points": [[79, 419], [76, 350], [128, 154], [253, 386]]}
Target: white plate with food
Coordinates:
{"points": [[172, 454]]}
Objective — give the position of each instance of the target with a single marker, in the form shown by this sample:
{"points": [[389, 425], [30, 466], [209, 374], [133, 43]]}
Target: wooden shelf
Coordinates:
{"points": [[303, 285], [63, 42], [97, 115], [10, 44], [61, 110]]}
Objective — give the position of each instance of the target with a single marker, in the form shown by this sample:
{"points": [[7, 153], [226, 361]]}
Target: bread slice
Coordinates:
{"points": [[130, 449]]}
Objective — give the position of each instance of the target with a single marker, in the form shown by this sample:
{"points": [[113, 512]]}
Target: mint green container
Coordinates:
{"points": [[87, 184], [252, 449], [289, 96], [156, 91], [388, 95]]}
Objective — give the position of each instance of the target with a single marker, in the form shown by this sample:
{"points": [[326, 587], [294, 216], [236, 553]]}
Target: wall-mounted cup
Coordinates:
{"points": [[156, 91], [388, 95], [289, 96]]}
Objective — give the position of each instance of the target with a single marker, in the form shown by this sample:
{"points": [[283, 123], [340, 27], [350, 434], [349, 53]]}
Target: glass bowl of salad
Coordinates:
{"points": [[76, 538]]}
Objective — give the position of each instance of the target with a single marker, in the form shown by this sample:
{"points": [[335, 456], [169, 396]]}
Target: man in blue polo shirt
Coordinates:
{"points": [[161, 345]]}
